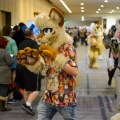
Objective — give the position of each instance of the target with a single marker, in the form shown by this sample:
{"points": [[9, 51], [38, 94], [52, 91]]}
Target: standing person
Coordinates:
{"points": [[26, 79], [19, 34], [6, 62], [12, 48], [75, 36]]}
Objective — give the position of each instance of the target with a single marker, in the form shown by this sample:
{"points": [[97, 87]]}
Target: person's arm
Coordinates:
{"points": [[71, 70]]}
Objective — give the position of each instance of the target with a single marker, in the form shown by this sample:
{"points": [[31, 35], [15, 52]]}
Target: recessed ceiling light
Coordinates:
{"points": [[97, 12], [82, 10], [112, 10], [83, 19], [82, 7], [117, 7], [99, 9], [81, 3], [106, 0], [102, 5]]}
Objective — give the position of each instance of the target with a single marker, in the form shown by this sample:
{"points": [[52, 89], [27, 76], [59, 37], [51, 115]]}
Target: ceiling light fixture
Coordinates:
{"points": [[102, 5], [99, 9], [112, 10], [97, 12], [106, 1], [82, 7], [82, 10], [64, 4], [81, 3], [117, 7]]}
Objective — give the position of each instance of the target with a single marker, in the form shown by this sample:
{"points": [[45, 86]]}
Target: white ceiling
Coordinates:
{"points": [[90, 8]]}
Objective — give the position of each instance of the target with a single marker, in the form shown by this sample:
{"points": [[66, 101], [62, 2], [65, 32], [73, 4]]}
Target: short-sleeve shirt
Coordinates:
{"points": [[60, 86], [12, 46]]}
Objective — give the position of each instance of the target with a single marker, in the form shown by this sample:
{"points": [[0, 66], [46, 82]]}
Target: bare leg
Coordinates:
{"points": [[32, 96], [26, 95]]}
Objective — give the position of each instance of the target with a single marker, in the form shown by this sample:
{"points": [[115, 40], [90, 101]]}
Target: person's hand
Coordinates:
{"points": [[111, 68]]}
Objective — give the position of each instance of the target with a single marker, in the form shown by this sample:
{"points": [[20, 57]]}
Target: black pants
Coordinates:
{"points": [[111, 74]]}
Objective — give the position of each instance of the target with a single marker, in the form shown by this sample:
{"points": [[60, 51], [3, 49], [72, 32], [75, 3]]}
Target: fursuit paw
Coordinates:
{"points": [[48, 51], [28, 56], [95, 66]]}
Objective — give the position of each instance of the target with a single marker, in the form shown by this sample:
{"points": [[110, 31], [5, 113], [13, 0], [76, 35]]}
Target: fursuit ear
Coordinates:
{"points": [[36, 13], [56, 16]]}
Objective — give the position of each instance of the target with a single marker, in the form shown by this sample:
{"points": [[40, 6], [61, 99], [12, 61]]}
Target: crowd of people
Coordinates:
{"points": [[17, 82]]}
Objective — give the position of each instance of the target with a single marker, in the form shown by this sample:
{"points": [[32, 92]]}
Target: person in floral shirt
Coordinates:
{"points": [[57, 60]]}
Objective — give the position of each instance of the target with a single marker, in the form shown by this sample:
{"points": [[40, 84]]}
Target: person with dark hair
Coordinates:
{"points": [[19, 36], [6, 62], [30, 82]]}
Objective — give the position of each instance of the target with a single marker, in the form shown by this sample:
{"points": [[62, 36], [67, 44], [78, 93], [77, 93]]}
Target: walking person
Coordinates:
{"points": [[30, 82]]}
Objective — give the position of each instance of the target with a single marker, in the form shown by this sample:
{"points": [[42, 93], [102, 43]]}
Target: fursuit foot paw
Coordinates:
{"points": [[95, 66], [90, 66]]}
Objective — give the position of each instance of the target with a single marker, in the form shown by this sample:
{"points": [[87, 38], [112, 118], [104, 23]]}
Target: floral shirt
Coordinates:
{"points": [[60, 86]]}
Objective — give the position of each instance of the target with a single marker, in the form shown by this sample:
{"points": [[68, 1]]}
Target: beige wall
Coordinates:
{"points": [[22, 10]]}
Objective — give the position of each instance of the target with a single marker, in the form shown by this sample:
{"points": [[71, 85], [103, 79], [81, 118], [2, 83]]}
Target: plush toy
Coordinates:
{"points": [[94, 50], [55, 52]]}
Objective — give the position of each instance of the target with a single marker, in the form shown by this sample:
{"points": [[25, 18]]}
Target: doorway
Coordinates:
{"points": [[5, 18]]}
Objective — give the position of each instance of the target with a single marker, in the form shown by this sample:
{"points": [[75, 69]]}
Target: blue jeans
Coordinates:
{"points": [[47, 111]]}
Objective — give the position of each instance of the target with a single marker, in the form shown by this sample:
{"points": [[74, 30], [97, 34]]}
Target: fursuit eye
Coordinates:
{"points": [[47, 30]]}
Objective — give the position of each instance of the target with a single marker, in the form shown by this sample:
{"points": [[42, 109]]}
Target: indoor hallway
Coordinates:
{"points": [[94, 95]]}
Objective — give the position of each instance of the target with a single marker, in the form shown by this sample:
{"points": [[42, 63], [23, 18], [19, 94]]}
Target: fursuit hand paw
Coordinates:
{"points": [[48, 51], [28, 56]]}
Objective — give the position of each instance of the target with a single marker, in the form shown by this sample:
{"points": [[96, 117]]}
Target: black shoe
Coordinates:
{"points": [[12, 101], [28, 109], [115, 96], [3, 109]]}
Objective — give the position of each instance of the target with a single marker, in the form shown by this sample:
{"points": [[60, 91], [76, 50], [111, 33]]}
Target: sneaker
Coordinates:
{"points": [[12, 101], [27, 109]]}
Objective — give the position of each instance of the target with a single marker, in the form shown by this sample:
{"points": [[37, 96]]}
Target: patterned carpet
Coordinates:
{"points": [[94, 95]]}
